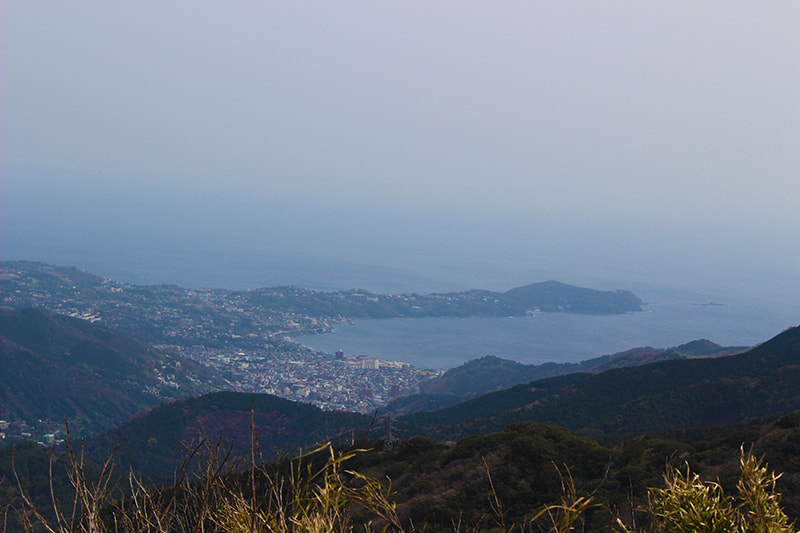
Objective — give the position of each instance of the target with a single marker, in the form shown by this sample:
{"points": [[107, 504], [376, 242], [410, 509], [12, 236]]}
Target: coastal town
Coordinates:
{"points": [[242, 339], [337, 381], [246, 343]]}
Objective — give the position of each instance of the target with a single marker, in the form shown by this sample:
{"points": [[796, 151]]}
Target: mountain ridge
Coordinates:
{"points": [[491, 373], [671, 394]]}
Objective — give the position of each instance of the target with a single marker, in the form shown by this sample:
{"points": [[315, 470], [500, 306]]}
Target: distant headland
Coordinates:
{"points": [[546, 296]]}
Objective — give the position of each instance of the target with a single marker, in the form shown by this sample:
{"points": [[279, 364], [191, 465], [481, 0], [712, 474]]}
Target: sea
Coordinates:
{"points": [[674, 312], [442, 343], [209, 239]]}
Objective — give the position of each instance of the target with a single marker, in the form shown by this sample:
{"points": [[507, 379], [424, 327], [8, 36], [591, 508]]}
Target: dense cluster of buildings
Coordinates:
{"points": [[334, 382]]}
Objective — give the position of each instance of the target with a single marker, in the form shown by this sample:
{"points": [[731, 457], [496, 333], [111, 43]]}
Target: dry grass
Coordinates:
{"points": [[688, 504], [310, 493], [315, 493]]}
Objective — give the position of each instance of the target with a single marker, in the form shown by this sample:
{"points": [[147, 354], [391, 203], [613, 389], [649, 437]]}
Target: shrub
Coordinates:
{"points": [[688, 504]]}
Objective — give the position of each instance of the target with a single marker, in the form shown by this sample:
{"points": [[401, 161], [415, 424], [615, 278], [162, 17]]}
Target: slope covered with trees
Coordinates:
{"points": [[56, 367], [156, 442], [678, 393], [490, 373], [496, 482]]}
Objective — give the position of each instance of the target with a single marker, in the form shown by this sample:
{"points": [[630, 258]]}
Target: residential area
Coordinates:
{"points": [[244, 335]]}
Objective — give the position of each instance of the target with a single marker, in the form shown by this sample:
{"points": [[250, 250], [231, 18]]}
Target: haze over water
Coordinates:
{"points": [[414, 147]]}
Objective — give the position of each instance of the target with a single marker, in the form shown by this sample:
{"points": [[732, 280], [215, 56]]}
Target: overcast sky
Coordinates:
{"points": [[626, 128]]}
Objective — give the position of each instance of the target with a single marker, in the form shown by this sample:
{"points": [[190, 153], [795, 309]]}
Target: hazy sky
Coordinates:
{"points": [[599, 139]]}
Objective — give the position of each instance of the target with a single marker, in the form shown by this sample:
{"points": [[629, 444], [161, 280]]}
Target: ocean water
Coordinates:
{"points": [[756, 304], [744, 316], [442, 343]]}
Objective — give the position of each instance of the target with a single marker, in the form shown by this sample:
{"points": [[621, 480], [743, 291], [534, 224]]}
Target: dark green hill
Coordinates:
{"points": [[436, 484], [473, 410], [490, 373], [156, 442], [479, 376], [671, 394], [56, 367]]}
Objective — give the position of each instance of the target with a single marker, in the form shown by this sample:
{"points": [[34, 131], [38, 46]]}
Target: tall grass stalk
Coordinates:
{"points": [[691, 505], [312, 493]]}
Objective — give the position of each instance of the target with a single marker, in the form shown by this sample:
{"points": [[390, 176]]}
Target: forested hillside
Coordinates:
{"points": [[490, 373], [57, 367], [156, 442], [473, 484], [672, 394]]}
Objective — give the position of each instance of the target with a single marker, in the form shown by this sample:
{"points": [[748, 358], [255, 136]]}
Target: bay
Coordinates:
{"points": [[441, 343]]}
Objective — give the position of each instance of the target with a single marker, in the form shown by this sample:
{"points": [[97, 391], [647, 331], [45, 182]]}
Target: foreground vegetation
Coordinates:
{"points": [[510, 481]]}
